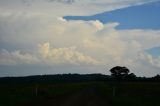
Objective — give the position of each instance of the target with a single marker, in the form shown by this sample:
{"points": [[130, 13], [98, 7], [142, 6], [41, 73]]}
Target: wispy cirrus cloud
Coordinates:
{"points": [[75, 7]]}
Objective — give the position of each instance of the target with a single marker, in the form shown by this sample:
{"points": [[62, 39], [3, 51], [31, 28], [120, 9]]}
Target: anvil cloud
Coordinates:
{"points": [[33, 33]]}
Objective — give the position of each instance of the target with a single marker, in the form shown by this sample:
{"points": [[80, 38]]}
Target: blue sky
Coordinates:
{"points": [[79, 36], [154, 51], [144, 16]]}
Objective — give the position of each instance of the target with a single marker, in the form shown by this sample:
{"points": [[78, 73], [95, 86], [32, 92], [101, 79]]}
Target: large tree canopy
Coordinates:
{"points": [[119, 71]]}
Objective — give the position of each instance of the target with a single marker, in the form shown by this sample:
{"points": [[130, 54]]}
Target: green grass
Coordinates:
{"points": [[15, 94], [137, 94], [127, 94]]}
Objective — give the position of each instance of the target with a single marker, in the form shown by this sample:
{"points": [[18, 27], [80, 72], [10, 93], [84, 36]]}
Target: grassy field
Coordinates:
{"points": [[127, 93], [133, 94]]}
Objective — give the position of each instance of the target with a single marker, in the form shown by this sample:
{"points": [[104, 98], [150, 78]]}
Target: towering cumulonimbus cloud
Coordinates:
{"points": [[37, 35]]}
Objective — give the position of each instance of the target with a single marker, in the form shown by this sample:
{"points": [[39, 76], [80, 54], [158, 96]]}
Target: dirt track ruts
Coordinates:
{"points": [[86, 97]]}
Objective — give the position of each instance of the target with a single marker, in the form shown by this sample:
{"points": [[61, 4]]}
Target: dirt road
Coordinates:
{"points": [[86, 97]]}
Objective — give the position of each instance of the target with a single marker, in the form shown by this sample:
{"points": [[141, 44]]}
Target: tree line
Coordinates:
{"points": [[117, 73]]}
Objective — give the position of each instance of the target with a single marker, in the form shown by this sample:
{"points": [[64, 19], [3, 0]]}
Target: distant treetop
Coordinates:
{"points": [[119, 71]]}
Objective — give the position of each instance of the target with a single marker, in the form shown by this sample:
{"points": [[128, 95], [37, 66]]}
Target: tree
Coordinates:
{"points": [[119, 71], [156, 78], [131, 76]]}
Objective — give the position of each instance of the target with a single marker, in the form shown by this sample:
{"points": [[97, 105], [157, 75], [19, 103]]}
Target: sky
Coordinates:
{"points": [[128, 18], [40, 37]]}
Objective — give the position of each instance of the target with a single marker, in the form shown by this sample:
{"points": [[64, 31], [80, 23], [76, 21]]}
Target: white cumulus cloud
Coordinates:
{"points": [[16, 58], [65, 55]]}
